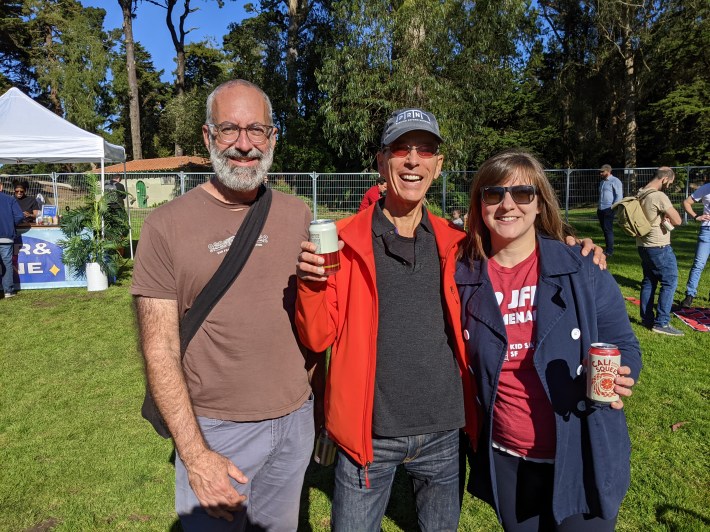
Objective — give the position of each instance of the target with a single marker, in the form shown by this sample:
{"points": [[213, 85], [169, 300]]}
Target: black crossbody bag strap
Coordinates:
{"points": [[232, 265]]}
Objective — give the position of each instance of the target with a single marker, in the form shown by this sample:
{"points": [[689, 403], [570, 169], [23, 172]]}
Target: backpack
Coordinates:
{"points": [[630, 215]]}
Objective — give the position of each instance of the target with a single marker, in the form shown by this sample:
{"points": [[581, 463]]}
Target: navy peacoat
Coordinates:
{"points": [[577, 304]]}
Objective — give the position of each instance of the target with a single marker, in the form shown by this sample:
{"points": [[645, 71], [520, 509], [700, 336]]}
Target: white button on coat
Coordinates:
{"points": [[576, 333], [466, 335]]}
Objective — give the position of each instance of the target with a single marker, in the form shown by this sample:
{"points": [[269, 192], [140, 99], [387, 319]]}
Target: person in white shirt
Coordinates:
{"points": [[702, 250]]}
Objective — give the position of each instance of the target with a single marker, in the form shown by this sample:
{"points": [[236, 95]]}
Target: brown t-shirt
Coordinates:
{"points": [[245, 363], [654, 207]]}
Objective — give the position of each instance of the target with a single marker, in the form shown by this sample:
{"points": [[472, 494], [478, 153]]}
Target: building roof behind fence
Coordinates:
{"points": [[185, 163]]}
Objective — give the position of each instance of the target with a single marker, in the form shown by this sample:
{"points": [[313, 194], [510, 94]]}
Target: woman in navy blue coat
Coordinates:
{"points": [[548, 458]]}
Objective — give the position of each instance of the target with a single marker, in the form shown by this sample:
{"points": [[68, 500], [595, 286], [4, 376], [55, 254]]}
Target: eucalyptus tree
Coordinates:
{"points": [[70, 58], [627, 27], [184, 114], [153, 96], [266, 48], [128, 10], [450, 57], [177, 34], [578, 88]]}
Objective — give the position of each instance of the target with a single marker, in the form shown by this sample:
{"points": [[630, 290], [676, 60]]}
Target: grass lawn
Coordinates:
{"points": [[76, 455]]}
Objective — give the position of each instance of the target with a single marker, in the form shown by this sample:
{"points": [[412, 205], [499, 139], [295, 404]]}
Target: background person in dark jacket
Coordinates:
{"points": [[548, 459], [10, 216], [28, 204]]}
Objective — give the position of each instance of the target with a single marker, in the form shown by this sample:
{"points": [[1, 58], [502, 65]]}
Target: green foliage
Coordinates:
{"points": [[678, 110], [407, 59], [547, 76], [94, 232], [70, 58], [205, 66], [14, 48], [182, 119]]}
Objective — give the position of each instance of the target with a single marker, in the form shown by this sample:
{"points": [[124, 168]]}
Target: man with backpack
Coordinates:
{"points": [[657, 258]]}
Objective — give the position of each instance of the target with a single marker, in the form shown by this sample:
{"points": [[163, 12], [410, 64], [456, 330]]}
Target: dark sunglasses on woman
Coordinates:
{"points": [[521, 194]]}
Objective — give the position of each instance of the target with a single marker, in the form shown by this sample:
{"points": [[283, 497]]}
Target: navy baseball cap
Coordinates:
{"points": [[405, 120]]}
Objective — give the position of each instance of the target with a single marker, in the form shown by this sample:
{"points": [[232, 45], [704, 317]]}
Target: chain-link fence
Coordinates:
{"points": [[336, 196]]}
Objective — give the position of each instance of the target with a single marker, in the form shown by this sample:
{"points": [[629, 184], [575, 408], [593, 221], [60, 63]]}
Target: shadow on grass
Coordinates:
{"points": [[669, 515]]}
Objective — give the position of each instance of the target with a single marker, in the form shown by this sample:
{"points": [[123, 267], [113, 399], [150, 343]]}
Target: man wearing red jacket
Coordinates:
{"points": [[395, 393], [374, 193]]}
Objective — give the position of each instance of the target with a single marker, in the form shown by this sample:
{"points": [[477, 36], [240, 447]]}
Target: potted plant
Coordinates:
{"points": [[94, 233]]}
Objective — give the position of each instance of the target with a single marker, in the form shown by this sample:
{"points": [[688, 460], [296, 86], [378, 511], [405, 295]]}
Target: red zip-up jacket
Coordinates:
{"points": [[342, 313]]}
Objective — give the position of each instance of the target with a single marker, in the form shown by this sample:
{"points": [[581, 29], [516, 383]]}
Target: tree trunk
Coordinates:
{"points": [[133, 95], [630, 127], [51, 60], [179, 44], [295, 16]]}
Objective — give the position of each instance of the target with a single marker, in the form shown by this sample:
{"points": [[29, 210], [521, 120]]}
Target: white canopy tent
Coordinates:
{"points": [[30, 133]]}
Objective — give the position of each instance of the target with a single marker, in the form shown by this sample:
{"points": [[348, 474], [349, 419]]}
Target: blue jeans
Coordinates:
{"points": [[273, 454], [606, 220], [431, 460], [659, 266], [8, 284], [702, 250]]}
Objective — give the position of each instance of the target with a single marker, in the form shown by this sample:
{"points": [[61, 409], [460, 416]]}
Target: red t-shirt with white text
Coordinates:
{"points": [[523, 419]]}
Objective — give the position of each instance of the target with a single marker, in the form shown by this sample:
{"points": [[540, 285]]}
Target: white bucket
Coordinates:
{"points": [[96, 280]]}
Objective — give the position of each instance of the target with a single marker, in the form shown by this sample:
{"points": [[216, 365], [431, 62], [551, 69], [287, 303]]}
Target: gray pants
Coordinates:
{"points": [[273, 454]]}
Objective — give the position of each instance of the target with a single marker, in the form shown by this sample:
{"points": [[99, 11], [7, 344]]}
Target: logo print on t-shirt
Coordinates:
{"points": [[523, 305], [222, 246]]}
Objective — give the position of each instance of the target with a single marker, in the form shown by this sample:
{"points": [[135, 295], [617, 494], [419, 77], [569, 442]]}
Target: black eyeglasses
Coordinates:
{"points": [[425, 151], [229, 133], [521, 194]]}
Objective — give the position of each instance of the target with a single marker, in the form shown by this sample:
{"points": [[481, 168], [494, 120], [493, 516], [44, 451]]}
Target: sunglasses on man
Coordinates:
{"points": [[521, 194], [425, 151]]}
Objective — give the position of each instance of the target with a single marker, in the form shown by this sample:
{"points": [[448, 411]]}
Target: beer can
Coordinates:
{"points": [[324, 235], [602, 367], [324, 453]]}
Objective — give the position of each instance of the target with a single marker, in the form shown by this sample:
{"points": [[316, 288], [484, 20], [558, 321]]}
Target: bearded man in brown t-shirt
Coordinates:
{"points": [[238, 405]]}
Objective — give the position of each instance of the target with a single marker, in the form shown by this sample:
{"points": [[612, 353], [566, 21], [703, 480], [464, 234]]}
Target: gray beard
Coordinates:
{"points": [[240, 179]]}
